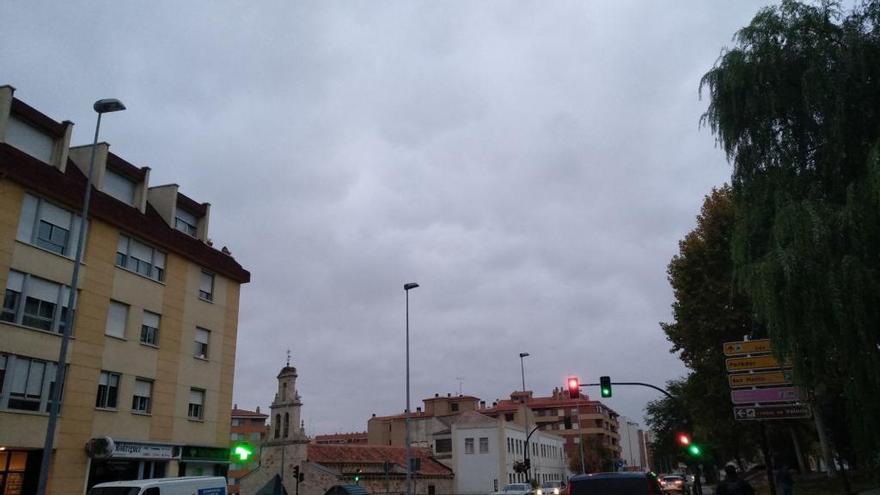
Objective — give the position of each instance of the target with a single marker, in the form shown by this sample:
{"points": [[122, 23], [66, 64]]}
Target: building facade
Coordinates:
{"points": [[248, 429], [150, 365], [576, 420], [438, 414], [482, 450], [358, 437], [633, 451]]}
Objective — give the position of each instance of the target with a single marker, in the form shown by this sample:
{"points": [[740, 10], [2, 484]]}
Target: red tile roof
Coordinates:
{"points": [[244, 413], [376, 455], [341, 436]]}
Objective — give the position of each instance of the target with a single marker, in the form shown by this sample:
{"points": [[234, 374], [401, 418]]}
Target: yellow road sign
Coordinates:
{"points": [[752, 363], [746, 347], [741, 380]]}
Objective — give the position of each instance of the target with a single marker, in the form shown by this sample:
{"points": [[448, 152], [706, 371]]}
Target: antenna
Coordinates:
{"points": [[460, 379]]}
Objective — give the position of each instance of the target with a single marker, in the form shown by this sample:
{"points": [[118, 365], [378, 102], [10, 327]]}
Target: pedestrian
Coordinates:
{"points": [[784, 479], [732, 484]]}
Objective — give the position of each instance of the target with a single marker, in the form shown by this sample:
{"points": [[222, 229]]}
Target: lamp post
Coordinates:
{"points": [[101, 107], [406, 289], [522, 369]]}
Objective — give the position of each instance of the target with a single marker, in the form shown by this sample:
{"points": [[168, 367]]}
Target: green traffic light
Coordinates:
{"points": [[243, 452], [695, 450], [606, 392]]}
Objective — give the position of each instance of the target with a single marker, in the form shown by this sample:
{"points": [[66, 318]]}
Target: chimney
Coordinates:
{"points": [[235, 406], [436, 395], [418, 409], [258, 409], [448, 394], [374, 415], [482, 404]]}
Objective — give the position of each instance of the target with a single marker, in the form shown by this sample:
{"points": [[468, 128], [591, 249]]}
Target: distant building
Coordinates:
{"points": [[438, 414], [482, 450], [151, 361], [359, 437], [588, 418], [633, 450], [249, 428]]}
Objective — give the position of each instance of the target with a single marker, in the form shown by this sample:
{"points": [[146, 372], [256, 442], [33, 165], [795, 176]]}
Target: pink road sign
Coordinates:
{"points": [[775, 394]]}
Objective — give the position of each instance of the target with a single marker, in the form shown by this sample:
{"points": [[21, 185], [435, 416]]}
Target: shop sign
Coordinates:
{"points": [[133, 450], [190, 453]]}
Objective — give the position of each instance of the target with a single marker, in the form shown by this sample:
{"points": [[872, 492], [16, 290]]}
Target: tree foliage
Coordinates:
{"points": [[796, 107], [708, 310]]}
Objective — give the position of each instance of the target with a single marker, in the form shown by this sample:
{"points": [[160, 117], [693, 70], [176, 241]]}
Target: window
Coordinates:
{"points": [[140, 258], [286, 424], [508, 417], [48, 226], [185, 222], [206, 286], [255, 437], [45, 302], [236, 422], [277, 425], [26, 384], [443, 445], [117, 317], [29, 139], [150, 328], [484, 445], [454, 406], [234, 436], [196, 403], [201, 343], [108, 389], [142, 397], [468, 445], [119, 187]]}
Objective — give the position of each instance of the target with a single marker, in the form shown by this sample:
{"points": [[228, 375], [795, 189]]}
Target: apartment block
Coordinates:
{"points": [[148, 377], [247, 428]]}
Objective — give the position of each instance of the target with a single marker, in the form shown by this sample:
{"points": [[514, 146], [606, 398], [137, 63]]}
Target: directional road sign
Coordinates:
{"points": [[746, 347], [752, 363], [762, 395], [741, 380], [771, 412]]}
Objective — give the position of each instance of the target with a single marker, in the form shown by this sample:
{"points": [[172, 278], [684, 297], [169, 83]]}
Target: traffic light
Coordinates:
{"points": [[605, 386], [527, 464], [296, 472], [357, 477], [574, 387], [694, 450], [685, 440], [242, 452]]}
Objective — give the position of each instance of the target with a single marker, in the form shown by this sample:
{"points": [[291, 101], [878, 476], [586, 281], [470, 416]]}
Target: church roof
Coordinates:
{"points": [[375, 454], [287, 370]]}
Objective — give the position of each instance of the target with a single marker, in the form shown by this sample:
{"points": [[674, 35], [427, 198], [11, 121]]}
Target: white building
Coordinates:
{"points": [[633, 449], [484, 450]]}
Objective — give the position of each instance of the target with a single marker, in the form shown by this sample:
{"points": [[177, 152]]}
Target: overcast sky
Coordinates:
{"points": [[531, 164]]}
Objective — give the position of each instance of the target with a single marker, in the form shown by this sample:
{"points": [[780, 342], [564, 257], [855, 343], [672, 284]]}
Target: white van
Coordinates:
{"points": [[187, 485]]}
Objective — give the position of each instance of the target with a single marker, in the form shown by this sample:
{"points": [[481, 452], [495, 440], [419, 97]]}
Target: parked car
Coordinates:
{"points": [[550, 488], [516, 489], [622, 483], [673, 483], [187, 485]]}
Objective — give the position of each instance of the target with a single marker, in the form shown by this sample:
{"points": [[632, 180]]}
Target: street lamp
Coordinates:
{"points": [[406, 289], [522, 369], [101, 106]]}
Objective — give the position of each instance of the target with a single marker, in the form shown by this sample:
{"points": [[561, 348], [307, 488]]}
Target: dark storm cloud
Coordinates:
{"points": [[531, 164]]}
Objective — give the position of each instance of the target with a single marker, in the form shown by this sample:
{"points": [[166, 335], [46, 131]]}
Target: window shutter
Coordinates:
{"points": [[140, 251], [28, 218], [55, 215], [122, 244], [202, 335], [142, 388], [42, 289], [206, 283], [35, 379], [151, 319], [196, 397], [159, 259], [15, 281], [116, 317], [102, 380]]}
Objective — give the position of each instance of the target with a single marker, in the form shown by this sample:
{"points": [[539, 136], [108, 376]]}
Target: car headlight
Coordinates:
{"points": [[556, 491], [540, 492]]}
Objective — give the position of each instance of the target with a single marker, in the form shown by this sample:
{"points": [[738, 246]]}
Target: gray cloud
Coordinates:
{"points": [[532, 165]]}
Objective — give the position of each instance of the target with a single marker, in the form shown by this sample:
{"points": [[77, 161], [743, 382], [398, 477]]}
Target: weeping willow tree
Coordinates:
{"points": [[795, 104]]}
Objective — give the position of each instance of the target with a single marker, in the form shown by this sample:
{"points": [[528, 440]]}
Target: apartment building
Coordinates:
{"points": [[248, 428], [437, 415], [149, 369], [353, 438], [573, 419]]}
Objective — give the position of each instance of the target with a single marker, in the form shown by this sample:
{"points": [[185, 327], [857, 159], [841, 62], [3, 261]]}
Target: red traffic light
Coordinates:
{"points": [[683, 439], [574, 387]]}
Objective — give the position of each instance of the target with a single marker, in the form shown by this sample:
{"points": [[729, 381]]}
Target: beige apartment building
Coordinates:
{"points": [[150, 364]]}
